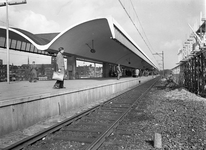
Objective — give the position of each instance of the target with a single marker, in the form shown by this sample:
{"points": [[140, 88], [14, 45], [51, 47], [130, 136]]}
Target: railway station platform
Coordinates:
{"points": [[23, 104]]}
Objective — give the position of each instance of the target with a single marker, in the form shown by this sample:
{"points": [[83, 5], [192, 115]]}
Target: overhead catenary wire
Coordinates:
{"points": [[136, 26], [142, 28], [140, 23]]}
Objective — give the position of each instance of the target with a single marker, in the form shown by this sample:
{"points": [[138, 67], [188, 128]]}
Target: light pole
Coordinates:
{"points": [[7, 31], [162, 56]]}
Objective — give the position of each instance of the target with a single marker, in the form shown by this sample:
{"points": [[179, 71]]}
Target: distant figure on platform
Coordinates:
{"points": [[60, 68], [119, 72], [136, 73], [33, 72]]}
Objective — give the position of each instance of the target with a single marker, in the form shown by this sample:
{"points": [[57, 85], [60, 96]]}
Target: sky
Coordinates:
{"points": [[157, 25]]}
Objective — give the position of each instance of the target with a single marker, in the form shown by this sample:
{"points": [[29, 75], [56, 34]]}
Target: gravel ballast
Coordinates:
{"points": [[174, 113]]}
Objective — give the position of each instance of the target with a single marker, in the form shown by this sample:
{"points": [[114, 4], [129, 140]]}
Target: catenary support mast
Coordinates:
{"points": [[7, 32]]}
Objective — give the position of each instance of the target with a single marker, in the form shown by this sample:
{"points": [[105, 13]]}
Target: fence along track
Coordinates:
{"points": [[92, 126]]}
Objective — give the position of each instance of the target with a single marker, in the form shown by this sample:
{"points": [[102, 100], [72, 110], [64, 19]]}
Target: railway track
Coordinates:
{"points": [[88, 130]]}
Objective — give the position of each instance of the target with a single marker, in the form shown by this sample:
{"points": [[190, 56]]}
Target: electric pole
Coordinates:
{"points": [[6, 3]]}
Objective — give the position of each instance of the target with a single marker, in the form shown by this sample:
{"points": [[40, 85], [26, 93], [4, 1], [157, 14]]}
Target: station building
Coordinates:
{"points": [[100, 40]]}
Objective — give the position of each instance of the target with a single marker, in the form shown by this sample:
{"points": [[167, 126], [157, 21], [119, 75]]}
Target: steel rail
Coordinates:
{"points": [[40, 135], [99, 141]]}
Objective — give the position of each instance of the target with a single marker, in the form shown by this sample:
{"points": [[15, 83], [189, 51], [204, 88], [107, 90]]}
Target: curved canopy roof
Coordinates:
{"points": [[100, 39]]}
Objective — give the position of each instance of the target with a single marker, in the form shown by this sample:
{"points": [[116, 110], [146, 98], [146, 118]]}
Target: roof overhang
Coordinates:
{"points": [[99, 39]]}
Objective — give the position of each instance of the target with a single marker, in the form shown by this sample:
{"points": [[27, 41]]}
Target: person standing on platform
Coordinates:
{"points": [[33, 72], [60, 68], [119, 72]]}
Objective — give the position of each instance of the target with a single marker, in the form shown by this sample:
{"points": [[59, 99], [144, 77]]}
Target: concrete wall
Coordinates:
{"points": [[22, 113]]}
